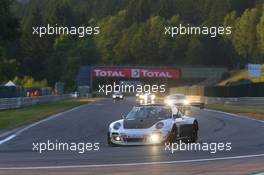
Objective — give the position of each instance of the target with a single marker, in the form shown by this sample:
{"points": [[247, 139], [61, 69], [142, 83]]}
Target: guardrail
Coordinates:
{"points": [[235, 101], [229, 101], [12, 103]]}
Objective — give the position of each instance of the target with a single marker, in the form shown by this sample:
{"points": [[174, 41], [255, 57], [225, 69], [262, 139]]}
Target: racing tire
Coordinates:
{"points": [[172, 136]]}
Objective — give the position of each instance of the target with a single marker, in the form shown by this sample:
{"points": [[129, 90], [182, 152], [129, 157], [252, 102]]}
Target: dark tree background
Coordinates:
{"points": [[131, 33]]}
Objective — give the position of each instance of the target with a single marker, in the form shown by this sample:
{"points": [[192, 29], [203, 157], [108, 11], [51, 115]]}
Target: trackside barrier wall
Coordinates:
{"points": [[12, 103], [188, 90], [252, 101], [243, 90], [14, 92]]}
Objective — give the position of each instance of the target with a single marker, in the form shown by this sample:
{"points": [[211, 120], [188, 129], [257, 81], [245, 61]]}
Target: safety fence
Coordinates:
{"points": [[12, 103], [250, 101]]}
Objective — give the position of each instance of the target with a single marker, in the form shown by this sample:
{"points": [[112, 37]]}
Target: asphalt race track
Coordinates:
{"points": [[89, 123]]}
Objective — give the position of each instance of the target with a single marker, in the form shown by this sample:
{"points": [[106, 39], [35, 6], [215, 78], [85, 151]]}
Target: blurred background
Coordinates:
{"points": [[131, 34]]}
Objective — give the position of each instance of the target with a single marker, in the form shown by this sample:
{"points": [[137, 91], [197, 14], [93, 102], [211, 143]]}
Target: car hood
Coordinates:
{"points": [[139, 123]]}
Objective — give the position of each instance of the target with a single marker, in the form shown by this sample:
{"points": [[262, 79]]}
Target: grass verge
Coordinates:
{"points": [[14, 118], [256, 112]]}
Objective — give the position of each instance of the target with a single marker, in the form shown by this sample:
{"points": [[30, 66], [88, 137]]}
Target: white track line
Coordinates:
{"points": [[133, 164], [7, 139], [15, 134], [234, 115]]}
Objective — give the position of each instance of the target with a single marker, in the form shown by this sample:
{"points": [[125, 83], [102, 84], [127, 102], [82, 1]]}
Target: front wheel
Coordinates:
{"points": [[173, 135], [109, 142], [194, 136], [108, 138]]}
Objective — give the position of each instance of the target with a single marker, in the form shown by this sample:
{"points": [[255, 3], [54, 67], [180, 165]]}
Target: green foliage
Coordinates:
{"points": [[244, 37], [67, 56], [8, 68], [9, 24], [131, 32], [247, 35], [9, 30], [111, 30], [260, 33], [28, 81]]}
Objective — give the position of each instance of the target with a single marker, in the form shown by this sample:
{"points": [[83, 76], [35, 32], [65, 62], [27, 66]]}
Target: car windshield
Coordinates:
{"points": [[149, 112], [117, 93]]}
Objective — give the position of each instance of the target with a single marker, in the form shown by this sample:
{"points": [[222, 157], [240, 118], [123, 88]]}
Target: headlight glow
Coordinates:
{"points": [[169, 102], [117, 138], [186, 102], [117, 126], [154, 138], [153, 96]]}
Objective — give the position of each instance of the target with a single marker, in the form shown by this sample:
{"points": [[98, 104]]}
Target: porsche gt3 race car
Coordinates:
{"points": [[152, 124]]}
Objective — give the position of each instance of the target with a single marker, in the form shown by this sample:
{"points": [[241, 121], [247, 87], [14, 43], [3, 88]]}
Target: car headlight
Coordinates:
{"points": [[114, 96], [186, 102], [117, 138], [153, 96], [155, 138], [117, 126], [159, 125]]}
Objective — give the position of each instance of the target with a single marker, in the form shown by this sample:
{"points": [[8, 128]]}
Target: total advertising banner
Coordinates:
{"points": [[110, 72]]}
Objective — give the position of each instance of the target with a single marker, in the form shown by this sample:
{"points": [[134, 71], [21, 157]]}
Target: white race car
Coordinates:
{"points": [[117, 95], [146, 97], [181, 100], [152, 124], [176, 99]]}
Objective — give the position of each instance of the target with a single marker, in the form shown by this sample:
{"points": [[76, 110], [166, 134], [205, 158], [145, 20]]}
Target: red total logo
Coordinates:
{"points": [[153, 74], [110, 72]]}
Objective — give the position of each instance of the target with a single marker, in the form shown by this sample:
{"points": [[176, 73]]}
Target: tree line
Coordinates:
{"points": [[131, 32]]}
